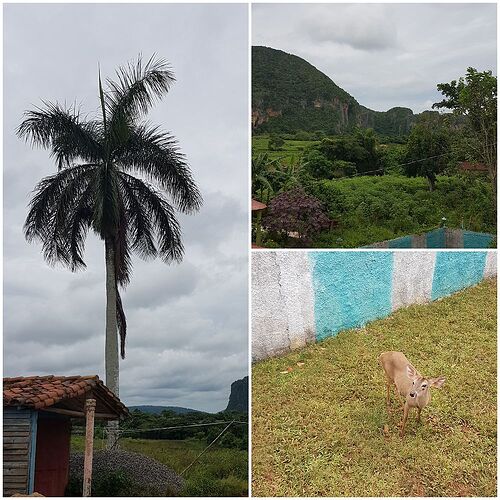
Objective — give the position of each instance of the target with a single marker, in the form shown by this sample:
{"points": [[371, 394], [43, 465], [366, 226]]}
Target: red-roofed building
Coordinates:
{"points": [[37, 413], [257, 205], [467, 166]]}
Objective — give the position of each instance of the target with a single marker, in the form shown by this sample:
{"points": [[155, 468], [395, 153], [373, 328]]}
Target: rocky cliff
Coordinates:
{"points": [[238, 399], [290, 94]]}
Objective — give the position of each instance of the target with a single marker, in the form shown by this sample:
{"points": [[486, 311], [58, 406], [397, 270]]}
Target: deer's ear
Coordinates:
{"points": [[411, 372], [437, 382]]}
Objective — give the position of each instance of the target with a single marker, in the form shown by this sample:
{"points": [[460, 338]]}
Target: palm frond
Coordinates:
{"points": [[106, 209], [63, 132], [55, 197], [123, 261], [138, 87], [79, 223], [122, 323], [164, 223], [156, 155], [141, 233]]}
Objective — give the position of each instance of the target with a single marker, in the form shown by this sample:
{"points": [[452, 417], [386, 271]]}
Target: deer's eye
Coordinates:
{"points": [[423, 387]]}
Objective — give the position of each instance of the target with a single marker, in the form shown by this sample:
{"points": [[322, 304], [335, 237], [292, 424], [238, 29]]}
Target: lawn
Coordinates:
{"points": [[219, 472], [322, 429]]}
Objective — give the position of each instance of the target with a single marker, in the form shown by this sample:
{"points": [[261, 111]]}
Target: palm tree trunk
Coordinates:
{"points": [[111, 347]]}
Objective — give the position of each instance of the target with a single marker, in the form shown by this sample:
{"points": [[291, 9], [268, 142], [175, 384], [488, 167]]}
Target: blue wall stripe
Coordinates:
{"points": [[436, 238], [351, 288], [477, 240], [456, 270], [403, 242]]}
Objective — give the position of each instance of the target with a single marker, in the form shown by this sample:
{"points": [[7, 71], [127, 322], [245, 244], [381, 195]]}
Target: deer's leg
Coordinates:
{"points": [[388, 398], [418, 414], [405, 418]]}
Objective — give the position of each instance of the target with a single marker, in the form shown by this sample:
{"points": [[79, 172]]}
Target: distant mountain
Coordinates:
{"points": [[158, 409], [290, 94], [238, 399]]}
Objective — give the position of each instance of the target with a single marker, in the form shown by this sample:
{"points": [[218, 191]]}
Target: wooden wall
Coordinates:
{"points": [[19, 430]]}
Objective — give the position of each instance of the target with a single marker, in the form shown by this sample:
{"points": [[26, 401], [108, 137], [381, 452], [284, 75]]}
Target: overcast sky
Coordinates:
{"points": [[384, 55], [187, 323]]}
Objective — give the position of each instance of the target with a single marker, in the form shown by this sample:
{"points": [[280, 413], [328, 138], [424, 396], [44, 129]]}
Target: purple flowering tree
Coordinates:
{"points": [[296, 214]]}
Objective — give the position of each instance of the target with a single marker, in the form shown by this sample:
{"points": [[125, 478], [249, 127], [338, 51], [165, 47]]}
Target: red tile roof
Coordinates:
{"points": [[40, 392], [477, 167], [257, 205]]}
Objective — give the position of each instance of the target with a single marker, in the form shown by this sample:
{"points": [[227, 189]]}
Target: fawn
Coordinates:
{"points": [[409, 383]]}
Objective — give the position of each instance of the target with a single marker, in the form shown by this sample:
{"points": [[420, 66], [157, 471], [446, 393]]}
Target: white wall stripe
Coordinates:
{"points": [[298, 297], [490, 267], [269, 321], [412, 278]]}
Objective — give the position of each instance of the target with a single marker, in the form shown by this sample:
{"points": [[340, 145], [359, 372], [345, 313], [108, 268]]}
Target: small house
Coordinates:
{"points": [[37, 414], [468, 166], [257, 206]]}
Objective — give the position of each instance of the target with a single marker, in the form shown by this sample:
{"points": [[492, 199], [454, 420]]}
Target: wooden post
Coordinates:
{"points": [[89, 446]]}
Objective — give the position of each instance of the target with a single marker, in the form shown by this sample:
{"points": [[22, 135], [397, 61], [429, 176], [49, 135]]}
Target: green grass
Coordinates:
{"points": [[219, 472], [319, 430], [290, 150]]}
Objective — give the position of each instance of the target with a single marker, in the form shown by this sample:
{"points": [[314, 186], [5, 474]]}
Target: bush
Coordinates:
{"points": [[295, 212], [371, 209], [110, 484]]}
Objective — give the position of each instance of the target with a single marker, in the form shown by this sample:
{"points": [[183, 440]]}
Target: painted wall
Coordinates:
{"points": [[439, 238], [302, 297]]}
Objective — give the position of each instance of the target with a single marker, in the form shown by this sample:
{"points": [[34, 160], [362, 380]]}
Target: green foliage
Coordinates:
{"points": [[475, 97], [276, 142], [371, 209], [391, 157], [110, 484], [359, 149], [291, 95], [343, 168], [317, 165], [319, 430], [236, 436], [292, 150], [427, 149]]}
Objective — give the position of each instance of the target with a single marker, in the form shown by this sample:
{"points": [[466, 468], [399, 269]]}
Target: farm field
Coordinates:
{"points": [[322, 428], [291, 149], [219, 472]]}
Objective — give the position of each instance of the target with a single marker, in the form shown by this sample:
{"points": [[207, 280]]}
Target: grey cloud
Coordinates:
{"points": [[366, 30], [385, 55], [187, 322]]}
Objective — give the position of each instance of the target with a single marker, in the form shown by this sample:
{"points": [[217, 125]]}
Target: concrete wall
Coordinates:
{"points": [[439, 238], [305, 296]]}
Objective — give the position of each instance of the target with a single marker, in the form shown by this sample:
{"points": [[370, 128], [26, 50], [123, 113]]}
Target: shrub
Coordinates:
{"points": [[296, 212], [371, 209]]}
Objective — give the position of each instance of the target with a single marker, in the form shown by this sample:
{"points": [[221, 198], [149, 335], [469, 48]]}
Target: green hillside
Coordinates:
{"points": [[290, 94]]}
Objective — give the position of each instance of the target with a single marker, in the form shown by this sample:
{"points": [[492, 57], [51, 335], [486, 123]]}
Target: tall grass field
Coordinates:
{"points": [[220, 472]]}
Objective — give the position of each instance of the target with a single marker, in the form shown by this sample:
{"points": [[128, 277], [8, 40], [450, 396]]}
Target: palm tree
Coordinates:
{"points": [[118, 176]]}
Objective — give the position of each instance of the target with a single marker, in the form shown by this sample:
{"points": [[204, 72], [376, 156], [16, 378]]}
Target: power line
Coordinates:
{"points": [[179, 427], [219, 435]]}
